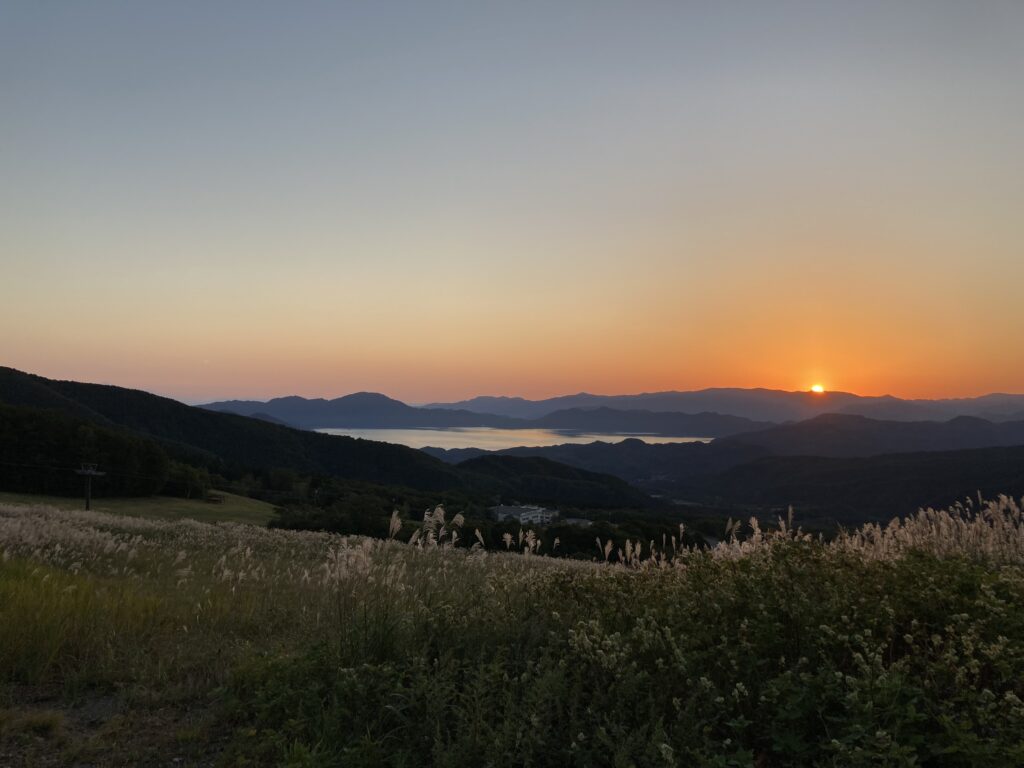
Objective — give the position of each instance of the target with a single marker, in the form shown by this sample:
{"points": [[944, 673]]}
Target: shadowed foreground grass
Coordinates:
{"points": [[128, 641]]}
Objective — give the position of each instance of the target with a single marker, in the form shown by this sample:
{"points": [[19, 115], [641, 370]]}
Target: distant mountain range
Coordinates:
{"points": [[368, 410], [232, 444], [840, 435], [830, 435], [363, 410], [705, 413], [841, 466], [832, 466], [640, 422], [757, 404]]}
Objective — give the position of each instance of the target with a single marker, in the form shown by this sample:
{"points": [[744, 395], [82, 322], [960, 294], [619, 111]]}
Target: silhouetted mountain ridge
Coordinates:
{"points": [[221, 440], [836, 466], [847, 435], [852, 490], [759, 404], [609, 420], [655, 467], [546, 481], [370, 410], [366, 410], [374, 411]]}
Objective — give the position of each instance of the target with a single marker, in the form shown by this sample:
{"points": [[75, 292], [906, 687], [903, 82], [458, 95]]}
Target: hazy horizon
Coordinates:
{"points": [[437, 202], [423, 402], [419, 403]]}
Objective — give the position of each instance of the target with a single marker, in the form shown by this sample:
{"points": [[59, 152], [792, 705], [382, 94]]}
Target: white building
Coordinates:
{"points": [[525, 514]]}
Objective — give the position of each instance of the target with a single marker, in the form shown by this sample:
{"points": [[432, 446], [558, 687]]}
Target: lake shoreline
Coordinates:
{"points": [[492, 438]]}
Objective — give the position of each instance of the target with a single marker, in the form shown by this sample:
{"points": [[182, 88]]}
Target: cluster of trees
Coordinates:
{"points": [[354, 508], [41, 449], [226, 443], [353, 516]]}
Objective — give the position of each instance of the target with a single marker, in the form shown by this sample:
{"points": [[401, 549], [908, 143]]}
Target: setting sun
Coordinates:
{"points": [[817, 388]]}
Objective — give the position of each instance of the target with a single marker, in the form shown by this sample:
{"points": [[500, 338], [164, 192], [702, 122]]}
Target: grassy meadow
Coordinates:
{"points": [[136, 641]]}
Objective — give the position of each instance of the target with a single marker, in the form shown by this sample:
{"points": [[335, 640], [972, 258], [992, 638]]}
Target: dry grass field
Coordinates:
{"points": [[128, 640]]}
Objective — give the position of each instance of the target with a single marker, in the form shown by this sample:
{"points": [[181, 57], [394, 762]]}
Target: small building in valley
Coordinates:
{"points": [[531, 513]]}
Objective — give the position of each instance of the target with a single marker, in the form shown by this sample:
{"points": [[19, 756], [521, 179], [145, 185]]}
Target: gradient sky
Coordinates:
{"points": [[437, 200]]}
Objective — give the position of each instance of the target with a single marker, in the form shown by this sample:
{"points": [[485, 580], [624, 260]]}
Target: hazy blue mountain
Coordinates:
{"points": [[889, 408], [610, 420], [375, 411], [756, 404], [703, 413], [516, 407], [759, 405], [366, 410]]}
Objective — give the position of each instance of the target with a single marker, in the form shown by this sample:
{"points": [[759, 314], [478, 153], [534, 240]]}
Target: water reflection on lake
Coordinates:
{"points": [[493, 439]]}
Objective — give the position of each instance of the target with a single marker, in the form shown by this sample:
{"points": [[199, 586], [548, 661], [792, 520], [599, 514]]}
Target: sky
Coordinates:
{"points": [[440, 200]]}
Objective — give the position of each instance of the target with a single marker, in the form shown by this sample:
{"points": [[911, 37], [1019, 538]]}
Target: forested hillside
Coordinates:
{"points": [[286, 462]]}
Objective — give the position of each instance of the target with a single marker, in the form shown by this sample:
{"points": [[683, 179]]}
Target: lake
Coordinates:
{"points": [[493, 439]]}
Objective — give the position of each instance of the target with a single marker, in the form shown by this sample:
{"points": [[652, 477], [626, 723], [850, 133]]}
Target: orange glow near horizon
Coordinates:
{"points": [[500, 200], [817, 389], [201, 332]]}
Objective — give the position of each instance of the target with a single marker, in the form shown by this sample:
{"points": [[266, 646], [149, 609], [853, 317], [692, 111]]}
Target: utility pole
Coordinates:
{"points": [[89, 472]]}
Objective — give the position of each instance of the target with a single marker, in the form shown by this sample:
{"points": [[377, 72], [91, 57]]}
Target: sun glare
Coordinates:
{"points": [[818, 389]]}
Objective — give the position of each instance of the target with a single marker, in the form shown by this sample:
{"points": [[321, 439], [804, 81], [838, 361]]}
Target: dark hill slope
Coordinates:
{"points": [[268, 417], [17, 388], [610, 420], [237, 440], [224, 440], [742, 472], [875, 487], [651, 466], [845, 435], [41, 447], [540, 480]]}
